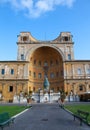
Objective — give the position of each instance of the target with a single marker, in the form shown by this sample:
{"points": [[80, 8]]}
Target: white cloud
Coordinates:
{"points": [[36, 8]]}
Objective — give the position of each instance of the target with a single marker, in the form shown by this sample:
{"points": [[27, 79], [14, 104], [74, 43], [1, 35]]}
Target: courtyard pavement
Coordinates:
{"points": [[46, 117]]}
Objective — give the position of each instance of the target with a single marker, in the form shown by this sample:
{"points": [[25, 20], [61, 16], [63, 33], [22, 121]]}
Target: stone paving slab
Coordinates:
{"points": [[46, 117]]}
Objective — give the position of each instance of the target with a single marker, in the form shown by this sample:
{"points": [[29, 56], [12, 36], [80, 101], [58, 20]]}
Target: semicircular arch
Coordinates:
{"points": [[31, 50]]}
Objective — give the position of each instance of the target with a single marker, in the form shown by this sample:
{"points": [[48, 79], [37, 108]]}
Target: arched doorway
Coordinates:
{"points": [[46, 61]]}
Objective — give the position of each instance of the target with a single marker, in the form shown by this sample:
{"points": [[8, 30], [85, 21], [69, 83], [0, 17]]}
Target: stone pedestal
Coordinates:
{"points": [[19, 99], [16, 99]]}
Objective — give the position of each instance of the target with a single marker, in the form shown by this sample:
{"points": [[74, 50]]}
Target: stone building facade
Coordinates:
{"points": [[34, 58]]}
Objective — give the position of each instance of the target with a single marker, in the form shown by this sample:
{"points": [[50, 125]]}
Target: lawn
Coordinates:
{"points": [[83, 107], [12, 110]]}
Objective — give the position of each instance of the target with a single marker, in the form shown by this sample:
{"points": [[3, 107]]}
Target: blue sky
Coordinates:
{"points": [[45, 19]]}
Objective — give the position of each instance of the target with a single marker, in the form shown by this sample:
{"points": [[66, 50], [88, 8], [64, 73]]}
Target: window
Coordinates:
{"points": [[51, 63], [52, 75], [25, 38], [81, 88], [69, 56], [34, 74], [12, 71], [39, 75], [39, 63], [10, 88], [88, 71], [22, 56], [45, 63], [29, 73], [34, 62], [79, 71], [89, 86], [65, 38], [3, 71]]}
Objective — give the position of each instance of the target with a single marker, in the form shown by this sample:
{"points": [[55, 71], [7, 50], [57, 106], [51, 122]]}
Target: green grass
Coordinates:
{"points": [[83, 107], [12, 110]]}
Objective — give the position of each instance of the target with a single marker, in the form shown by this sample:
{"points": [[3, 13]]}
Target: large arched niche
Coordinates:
{"points": [[31, 50], [41, 57]]}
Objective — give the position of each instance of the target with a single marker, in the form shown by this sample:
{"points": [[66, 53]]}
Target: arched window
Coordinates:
{"points": [[81, 88]]}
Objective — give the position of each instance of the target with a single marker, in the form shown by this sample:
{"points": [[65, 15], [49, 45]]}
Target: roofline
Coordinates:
{"points": [[14, 61], [77, 61]]}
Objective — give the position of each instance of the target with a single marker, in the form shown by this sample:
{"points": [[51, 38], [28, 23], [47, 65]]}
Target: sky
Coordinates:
{"points": [[44, 19]]}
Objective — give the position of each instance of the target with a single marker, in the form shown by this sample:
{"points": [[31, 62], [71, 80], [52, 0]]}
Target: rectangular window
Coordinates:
{"points": [[51, 63], [69, 56], [25, 38], [34, 74], [3, 71], [10, 88], [52, 75], [81, 88], [79, 71], [12, 71], [45, 63], [29, 73], [22, 56], [88, 71], [39, 63], [39, 75]]}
